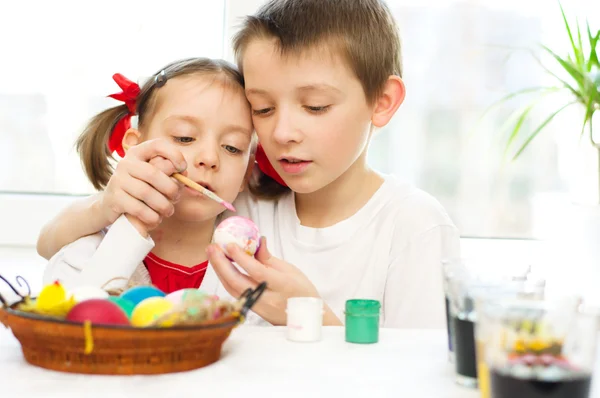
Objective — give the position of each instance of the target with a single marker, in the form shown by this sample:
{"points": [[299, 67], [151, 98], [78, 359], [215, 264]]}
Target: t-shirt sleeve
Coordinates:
{"points": [[414, 296], [98, 259]]}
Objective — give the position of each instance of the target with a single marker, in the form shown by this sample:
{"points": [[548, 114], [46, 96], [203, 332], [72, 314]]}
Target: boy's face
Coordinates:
{"points": [[310, 113]]}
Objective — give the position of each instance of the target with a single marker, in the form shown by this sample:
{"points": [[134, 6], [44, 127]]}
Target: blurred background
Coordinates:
{"points": [[460, 56]]}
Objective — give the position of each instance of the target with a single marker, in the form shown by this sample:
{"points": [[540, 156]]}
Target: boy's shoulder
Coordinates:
{"points": [[411, 207]]}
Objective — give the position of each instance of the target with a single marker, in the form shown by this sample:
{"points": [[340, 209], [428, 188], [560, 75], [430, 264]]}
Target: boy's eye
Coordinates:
{"points": [[231, 149], [259, 112], [318, 109], [184, 140]]}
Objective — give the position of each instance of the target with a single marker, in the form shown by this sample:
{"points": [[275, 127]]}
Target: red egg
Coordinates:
{"points": [[99, 312]]}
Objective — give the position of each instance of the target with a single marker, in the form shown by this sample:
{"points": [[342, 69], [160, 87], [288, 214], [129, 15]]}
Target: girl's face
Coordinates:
{"points": [[209, 120]]}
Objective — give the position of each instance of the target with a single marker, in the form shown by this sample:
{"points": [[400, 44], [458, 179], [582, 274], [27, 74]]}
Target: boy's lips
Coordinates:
{"points": [[293, 165]]}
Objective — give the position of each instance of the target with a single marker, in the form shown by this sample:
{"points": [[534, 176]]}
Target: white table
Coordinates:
{"points": [[260, 362]]}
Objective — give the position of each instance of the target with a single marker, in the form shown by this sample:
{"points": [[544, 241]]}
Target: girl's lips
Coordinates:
{"points": [[294, 167]]}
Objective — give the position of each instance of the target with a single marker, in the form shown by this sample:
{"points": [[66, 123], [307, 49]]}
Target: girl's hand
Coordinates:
{"points": [[283, 281], [141, 185]]}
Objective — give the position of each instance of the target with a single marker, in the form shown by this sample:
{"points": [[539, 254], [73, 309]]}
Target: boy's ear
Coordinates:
{"points": [[389, 101], [249, 171], [131, 138]]}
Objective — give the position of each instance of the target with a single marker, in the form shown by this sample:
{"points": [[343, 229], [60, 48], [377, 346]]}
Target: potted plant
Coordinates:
{"points": [[577, 74], [572, 230]]}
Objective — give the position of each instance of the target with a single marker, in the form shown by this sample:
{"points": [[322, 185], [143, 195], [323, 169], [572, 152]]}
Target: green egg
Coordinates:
{"points": [[125, 305]]}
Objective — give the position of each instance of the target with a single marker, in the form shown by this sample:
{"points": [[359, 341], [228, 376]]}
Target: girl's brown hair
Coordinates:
{"points": [[92, 144]]}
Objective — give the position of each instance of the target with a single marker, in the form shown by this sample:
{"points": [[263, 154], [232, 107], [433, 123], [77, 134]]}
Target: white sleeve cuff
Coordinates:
{"points": [[117, 256]]}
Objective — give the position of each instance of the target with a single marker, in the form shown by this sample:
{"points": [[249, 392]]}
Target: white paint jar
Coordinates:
{"points": [[304, 319]]}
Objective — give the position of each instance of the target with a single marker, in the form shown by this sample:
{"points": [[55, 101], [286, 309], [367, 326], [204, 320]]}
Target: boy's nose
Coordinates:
{"points": [[284, 131]]}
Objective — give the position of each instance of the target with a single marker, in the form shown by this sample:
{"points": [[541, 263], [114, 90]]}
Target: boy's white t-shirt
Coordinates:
{"points": [[391, 250]]}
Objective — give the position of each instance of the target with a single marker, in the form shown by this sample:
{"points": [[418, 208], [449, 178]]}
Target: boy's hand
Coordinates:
{"points": [[283, 281], [141, 185]]}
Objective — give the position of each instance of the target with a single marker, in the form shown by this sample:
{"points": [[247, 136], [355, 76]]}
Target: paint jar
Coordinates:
{"points": [[304, 319], [362, 321]]}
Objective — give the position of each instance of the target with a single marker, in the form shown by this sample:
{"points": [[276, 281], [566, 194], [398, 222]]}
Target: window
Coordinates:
{"points": [[60, 69], [461, 56], [458, 59]]}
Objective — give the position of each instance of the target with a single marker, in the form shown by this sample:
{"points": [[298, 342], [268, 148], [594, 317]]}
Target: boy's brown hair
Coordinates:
{"points": [[363, 32], [92, 144]]}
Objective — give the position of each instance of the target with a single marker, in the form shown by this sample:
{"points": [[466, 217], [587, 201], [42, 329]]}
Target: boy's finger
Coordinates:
{"points": [[264, 256], [227, 273], [255, 269]]}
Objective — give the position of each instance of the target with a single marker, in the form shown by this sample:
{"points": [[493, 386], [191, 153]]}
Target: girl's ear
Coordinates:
{"points": [[388, 102], [249, 171], [131, 138]]}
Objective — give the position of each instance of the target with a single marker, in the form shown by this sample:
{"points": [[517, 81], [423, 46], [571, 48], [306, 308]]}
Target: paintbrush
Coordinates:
{"points": [[204, 191]]}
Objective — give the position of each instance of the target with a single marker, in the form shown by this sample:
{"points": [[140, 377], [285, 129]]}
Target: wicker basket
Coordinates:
{"points": [[119, 350]]}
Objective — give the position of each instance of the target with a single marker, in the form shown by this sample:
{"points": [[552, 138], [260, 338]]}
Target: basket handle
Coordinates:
{"points": [[19, 279], [252, 297]]}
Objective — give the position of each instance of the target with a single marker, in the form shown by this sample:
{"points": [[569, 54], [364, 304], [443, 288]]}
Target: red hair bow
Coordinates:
{"points": [[129, 95], [265, 166]]}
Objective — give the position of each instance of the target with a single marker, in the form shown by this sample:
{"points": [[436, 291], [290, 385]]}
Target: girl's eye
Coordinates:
{"points": [[184, 140], [318, 109], [261, 112], [231, 149]]}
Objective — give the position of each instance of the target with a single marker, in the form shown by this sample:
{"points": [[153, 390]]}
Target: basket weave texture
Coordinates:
{"points": [[116, 350]]}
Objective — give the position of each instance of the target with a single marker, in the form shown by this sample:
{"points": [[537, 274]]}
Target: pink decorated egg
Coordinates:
{"points": [[240, 231], [182, 295], [98, 311]]}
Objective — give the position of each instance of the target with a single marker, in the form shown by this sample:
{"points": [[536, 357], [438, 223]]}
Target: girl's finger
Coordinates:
{"points": [[159, 147], [162, 182], [138, 209], [150, 196]]}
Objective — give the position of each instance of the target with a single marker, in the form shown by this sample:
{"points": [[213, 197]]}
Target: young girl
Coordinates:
{"points": [[321, 77], [193, 113]]}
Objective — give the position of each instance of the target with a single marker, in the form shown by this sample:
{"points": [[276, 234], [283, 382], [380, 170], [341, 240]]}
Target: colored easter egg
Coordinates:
{"points": [[240, 231], [138, 294], [98, 311], [149, 310], [126, 305], [181, 295], [83, 293]]}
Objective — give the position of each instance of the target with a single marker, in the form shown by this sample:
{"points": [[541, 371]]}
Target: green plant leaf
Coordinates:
{"points": [[589, 110], [540, 128], [513, 95], [578, 56], [577, 75], [593, 59], [581, 61], [521, 119], [555, 76]]}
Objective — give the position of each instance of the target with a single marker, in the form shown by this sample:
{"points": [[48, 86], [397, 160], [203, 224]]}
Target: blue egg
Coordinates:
{"points": [[138, 294]]}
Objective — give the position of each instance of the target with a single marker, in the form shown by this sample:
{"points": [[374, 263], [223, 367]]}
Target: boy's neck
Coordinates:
{"points": [[183, 243], [341, 199]]}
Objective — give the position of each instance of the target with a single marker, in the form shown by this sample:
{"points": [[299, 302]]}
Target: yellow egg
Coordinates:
{"points": [[149, 310]]}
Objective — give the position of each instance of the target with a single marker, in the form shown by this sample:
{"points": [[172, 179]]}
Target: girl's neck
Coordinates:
{"points": [[183, 242], [341, 199]]}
